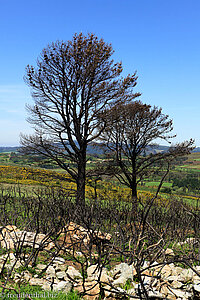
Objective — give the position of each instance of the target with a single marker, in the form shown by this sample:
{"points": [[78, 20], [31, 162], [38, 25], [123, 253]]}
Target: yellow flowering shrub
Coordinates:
{"points": [[31, 176], [105, 191]]}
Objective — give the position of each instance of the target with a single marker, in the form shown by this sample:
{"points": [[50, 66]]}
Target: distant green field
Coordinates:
{"points": [[156, 183], [184, 167]]}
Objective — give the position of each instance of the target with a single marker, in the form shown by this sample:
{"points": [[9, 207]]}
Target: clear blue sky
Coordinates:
{"points": [[160, 39]]}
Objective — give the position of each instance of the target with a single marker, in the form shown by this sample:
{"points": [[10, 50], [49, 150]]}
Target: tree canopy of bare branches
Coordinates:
{"points": [[71, 84], [130, 133]]}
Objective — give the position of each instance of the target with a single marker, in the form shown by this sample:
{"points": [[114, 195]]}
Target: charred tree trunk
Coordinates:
{"points": [[134, 186], [134, 196], [80, 181]]}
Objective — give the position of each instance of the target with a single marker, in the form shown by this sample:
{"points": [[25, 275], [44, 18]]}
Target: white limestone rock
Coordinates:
{"points": [[37, 281], [51, 271], [64, 286], [196, 288], [73, 273], [61, 275], [59, 260]]}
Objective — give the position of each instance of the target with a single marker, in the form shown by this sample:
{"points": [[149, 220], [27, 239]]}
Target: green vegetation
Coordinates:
{"points": [[35, 292], [183, 179], [110, 212]]}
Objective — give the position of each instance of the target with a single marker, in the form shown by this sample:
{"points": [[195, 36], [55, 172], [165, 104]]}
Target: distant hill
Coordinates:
{"points": [[97, 148], [197, 149], [8, 149]]}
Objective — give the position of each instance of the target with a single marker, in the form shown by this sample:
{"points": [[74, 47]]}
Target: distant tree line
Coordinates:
{"points": [[189, 182]]}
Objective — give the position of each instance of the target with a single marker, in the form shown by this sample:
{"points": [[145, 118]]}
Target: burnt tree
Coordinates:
{"points": [[130, 135], [71, 84]]}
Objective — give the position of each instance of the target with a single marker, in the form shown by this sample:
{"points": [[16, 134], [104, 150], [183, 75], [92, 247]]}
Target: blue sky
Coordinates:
{"points": [[160, 39]]}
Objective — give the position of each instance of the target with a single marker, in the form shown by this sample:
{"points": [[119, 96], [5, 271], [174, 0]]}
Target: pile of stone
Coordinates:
{"points": [[11, 237], [77, 233], [166, 281], [161, 282]]}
